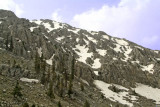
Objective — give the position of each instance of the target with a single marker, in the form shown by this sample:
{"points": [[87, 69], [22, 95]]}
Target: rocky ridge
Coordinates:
{"points": [[98, 55]]}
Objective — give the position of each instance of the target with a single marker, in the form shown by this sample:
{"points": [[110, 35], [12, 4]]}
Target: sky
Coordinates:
{"points": [[135, 20]]}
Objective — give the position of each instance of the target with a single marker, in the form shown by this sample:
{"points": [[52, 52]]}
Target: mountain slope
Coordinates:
{"points": [[98, 56]]}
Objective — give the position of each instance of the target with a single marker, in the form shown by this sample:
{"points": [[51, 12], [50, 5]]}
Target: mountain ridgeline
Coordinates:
{"points": [[71, 64]]}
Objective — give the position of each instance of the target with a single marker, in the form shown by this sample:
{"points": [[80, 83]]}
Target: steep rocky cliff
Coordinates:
{"points": [[98, 56]]}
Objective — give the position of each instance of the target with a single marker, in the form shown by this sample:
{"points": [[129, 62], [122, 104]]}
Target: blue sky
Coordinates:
{"points": [[135, 20]]}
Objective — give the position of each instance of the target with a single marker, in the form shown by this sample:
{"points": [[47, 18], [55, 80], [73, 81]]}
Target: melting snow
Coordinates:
{"points": [[75, 30], [46, 36], [32, 28], [105, 37], [93, 32], [139, 47], [83, 53], [92, 39], [148, 92], [115, 58], [135, 61], [113, 96], [117, 49], [121, 42], [148, 68], [29, 80], [57, 25], [47, 25], [60, 38], [156, 52], [86, 41], [49, 61], [96, 72], [127, 52], [102, 52], [96, 63]]}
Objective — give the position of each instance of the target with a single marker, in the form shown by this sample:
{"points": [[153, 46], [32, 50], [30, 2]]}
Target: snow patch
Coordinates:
{"points": [[127, 52], [148, 68], [96, 72], [49, 61], [74, 31], [32, 28], [121, 42], [96, 63], [156, 52], [105, 37], [148, 92], [29, 80], [0, 22], [92, 39], [139, 47], [117, 48], [115, 58], [60, 38], [93, 32], [83, 54], [113, 96], [135, 62], [46, 36], [101, 52]]}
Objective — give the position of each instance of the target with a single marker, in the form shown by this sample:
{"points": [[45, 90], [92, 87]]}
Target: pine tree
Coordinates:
{"points": [[82, 87], [53, 71], [6, 43], [48, 76], [65, 77], [43, 64], [33, 105], [70, 88], [43, 78], [50, 90], [11, 44], [26, 105], [61, 87], [59, 104], [37, 63], [72, 67], [17, 90], [86, 104]]}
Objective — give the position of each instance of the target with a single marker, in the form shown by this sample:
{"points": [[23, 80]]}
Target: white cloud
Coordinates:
{"points": [[56, 16], [11, 5], [130, 19]]}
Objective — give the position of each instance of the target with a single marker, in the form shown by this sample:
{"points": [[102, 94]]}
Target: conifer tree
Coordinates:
{"points": [[37, 63], [11, 44], [72, 67], [59, 104], [65, 77], [25, 104], [53, 71], [86, 104], [70, 88], [17, 90], [61, 87], [43, 78], [50, 90], [6, 43], [82, 87]]}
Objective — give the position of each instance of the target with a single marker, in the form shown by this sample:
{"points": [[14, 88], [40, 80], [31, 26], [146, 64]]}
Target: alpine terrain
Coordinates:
{"points": [[44, 63]]}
